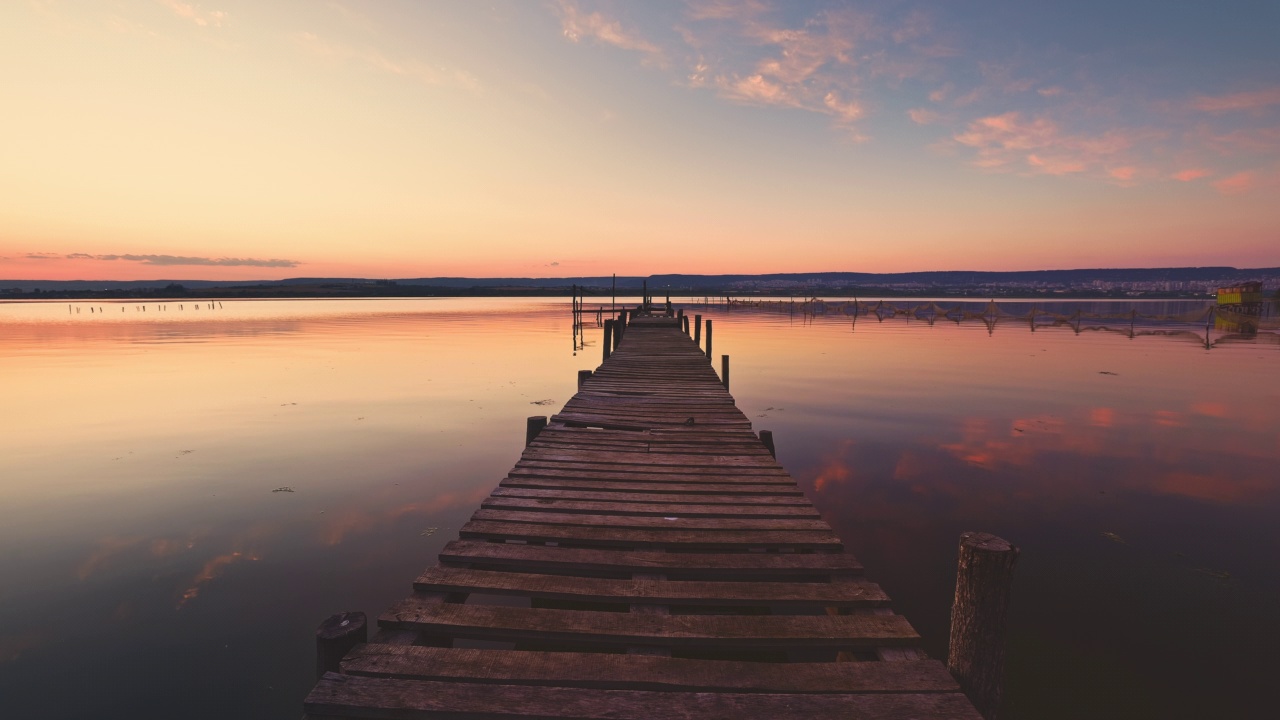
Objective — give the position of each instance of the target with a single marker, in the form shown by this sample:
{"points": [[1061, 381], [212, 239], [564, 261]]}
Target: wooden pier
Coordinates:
{"points": [[646, 558]]}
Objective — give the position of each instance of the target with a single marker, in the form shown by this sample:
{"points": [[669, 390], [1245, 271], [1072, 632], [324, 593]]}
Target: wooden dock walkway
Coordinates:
{"points": [[646, 558]]}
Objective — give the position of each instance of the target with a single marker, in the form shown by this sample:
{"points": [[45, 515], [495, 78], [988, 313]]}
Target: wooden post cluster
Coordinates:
{"points": [[766, 437], [983, 582], [724, 369], [533, 426], [608, 337], [336, 636], [583, 377], [708, 338]]}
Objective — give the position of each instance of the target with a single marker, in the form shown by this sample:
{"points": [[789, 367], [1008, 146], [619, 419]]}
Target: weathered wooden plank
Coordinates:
{"points": [[670, 522], [600, 468], [858, 593], [817, 540], [605, 495], [619, 629], [686, 509], [369, 697], [583, 473], [643, 672], [651, 460], [541, 558], [614, 485]]}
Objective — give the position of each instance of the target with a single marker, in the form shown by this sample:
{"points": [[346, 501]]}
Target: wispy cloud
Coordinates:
{"points": [[1190, 174], [1011, 142], [1241, 182], [1253, 100], [922, 116], [194, 13], [576, 25], [428, 74], [169, 260]]}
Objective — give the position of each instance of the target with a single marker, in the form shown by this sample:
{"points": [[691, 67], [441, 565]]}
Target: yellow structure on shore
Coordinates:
{"points": [[1243, 294]]}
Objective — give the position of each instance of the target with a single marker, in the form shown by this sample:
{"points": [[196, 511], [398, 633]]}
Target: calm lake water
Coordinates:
{"points": [[185, 493]]}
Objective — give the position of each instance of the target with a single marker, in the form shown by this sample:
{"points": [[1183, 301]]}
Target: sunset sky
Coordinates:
{"points": [[237, 139]]}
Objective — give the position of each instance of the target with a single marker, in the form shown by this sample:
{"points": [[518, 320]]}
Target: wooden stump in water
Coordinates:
{"points": [[533, 426], [608, 337], [766, 437], [983, 582], [335, 637], [708, 338], [583, 376], [724, 369], [697, 329]]}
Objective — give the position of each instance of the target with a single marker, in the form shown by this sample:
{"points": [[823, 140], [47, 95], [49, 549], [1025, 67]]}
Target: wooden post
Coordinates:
{"points": [[724, 369], [983, 581], [766, 437], [533, 426], [335, 637], [608, 337], [708, 338], [697, 329], [619, 326], [583, 376]]}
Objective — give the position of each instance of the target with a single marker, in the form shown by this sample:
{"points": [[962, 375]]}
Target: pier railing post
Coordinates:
{"points": [[724, 369], [583, 376], [983, 582], [697, 329], [766, 437], [708, 338], [533, 426], [608, 337], [335, 637]]}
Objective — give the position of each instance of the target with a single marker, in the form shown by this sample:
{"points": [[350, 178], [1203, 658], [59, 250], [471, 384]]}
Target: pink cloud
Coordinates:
{"points": [[755, 89], [1050, 91], [1010, 142], [1241, 182], [1238, 101], [725, 10], [1191, 174], [922, 116], [576, 25], [1055, 165], [845, 112], [1123, 173], [203, 18]]}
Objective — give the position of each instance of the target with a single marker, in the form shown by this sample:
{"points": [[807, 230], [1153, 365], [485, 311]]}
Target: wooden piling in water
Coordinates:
{"points": [[708, 338], [608, 337], [697, 329], [766, 437], [724, 370], [534, 426], [583, 376], [336, 636], [976, 655]]}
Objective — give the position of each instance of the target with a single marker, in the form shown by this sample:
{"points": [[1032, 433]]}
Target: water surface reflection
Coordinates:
{"points": [[185, 499]]}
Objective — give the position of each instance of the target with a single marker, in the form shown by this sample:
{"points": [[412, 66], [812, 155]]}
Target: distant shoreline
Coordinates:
{"points": [[365, 292]]}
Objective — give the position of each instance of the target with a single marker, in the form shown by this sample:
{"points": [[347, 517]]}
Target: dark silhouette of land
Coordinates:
{"points": [[1184, 282]]}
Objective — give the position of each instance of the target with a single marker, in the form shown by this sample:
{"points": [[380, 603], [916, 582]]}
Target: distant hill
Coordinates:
{"points": [[1180, 280]]}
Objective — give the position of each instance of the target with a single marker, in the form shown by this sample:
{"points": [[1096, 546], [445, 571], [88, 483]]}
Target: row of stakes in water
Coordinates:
{"points": [[143, 308]]}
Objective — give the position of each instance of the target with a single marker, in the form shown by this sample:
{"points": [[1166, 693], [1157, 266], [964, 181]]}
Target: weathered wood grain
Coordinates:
{"points": [[368, 697], [641, 672], [666, 592], [487, 622]]}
